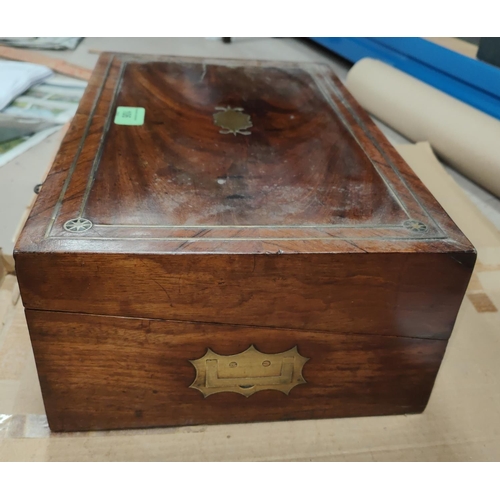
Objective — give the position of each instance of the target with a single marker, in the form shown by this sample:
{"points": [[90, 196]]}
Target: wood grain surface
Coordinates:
{"points": [[314, 176], [100, 372], [288, 171], [413, 295]]}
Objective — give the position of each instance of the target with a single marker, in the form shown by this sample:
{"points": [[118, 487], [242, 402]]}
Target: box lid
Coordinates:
{"points": [[186, 155], [241, 192]]}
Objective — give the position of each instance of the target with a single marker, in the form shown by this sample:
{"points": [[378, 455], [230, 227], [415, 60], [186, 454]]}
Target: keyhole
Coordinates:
{"points": [[266, 363], [233, 364]]}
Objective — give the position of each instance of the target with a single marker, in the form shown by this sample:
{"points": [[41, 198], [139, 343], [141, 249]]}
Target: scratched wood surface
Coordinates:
{"points": [[286, 171], [461, 422], [314, 175]]}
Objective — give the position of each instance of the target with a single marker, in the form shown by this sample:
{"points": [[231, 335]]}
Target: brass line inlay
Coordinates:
{"points": [[72, 168], [333, 105], [97, 158], [272, 226], [248, 372], [368, 134]]}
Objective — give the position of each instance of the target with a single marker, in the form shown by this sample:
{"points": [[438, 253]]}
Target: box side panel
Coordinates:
{"points": [[109, 373], [413, 295]]}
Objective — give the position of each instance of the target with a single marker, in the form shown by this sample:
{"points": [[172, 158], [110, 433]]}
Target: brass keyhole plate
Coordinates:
{"points": [[248, 372]]}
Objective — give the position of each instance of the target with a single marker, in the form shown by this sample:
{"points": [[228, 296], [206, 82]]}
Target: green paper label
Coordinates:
{"points": [[126, 115]]}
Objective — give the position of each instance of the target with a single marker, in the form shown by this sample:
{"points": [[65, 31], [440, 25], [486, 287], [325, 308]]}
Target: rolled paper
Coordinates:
{"points": [[463, 136]]}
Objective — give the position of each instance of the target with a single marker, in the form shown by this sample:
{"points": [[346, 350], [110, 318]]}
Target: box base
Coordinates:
{"points": [[102, 372]]}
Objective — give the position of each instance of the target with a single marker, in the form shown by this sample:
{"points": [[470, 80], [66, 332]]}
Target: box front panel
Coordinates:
{"points": [[411, 295], [100, 372]]}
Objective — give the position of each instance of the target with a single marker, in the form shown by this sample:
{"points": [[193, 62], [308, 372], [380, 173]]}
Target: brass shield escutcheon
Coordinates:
{"points": [[232, 120], [248, 372]]}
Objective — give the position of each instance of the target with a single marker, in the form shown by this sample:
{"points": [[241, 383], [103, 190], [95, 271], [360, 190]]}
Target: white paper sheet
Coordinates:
{"points": [[17, 77], [53, 43], [9, 150]]}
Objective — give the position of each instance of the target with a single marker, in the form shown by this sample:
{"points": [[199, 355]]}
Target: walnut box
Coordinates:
{"points": [[233, 241]]}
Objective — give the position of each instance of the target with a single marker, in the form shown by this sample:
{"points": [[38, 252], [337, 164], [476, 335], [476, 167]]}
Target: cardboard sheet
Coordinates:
{"points": [[461, 422], [465, 137], [3, 270]]}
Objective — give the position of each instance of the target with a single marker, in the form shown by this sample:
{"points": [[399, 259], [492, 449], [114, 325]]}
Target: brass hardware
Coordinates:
{"points": [[232, 121], [78, 225], [248, 372], [415, 225]]}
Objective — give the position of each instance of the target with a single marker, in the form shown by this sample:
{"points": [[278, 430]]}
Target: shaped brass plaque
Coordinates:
{"points": [[248, 372], [232, 121]]}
